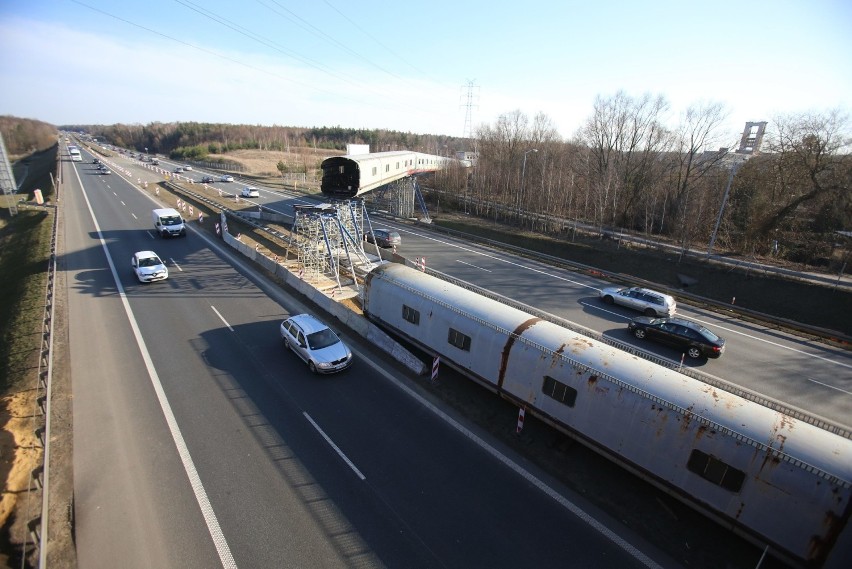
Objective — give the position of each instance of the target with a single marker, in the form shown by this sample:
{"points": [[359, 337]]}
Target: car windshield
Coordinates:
{"points": [[149, 262], [170, 220], [322, 339]]}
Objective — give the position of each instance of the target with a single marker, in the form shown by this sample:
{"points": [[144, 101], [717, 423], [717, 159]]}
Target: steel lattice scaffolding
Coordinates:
{"points": [[398, 198], [7, 179], [327, 237]]}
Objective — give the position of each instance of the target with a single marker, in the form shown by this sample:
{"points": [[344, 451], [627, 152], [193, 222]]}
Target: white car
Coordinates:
{"points": [[226, 178], [316, 344], [148, 267], [648, 302], [187, 168], [250, 192]]}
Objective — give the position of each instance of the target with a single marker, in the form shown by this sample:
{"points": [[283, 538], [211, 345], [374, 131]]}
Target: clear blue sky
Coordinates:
{"points": [[405, 65]]}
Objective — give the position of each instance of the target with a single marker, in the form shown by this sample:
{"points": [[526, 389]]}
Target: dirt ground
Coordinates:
{"points": [[20, 453]]}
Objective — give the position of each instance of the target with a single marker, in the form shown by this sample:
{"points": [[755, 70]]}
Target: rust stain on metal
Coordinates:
{"points": [[556, 362], [592, 380], [507, 348], [819, 546], [687, 419], [662, 419], [581, 343], [771, 458]]}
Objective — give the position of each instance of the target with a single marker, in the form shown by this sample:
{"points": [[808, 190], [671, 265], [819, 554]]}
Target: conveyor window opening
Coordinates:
{"points": [[559, 391], [411, 315], [459, 340], [715, 471]]}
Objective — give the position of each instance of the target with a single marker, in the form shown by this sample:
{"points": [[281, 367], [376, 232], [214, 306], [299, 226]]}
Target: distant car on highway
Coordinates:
{"points": [[207, 180], [178, 169], [148, 267], [188, 168], [648, 302], [384, 238], [680, 333], [226, 178], [106, 171], [315, 343], [154, 161], [250, 192]]}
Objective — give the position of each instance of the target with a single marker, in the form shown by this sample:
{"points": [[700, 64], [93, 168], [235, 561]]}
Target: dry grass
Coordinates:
{"points": [[264, 163]]}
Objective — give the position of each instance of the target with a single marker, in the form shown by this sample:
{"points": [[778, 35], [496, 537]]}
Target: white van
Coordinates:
{"points": [[168, 223]]}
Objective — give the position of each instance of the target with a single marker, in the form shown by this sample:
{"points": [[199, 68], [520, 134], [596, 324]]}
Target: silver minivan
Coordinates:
{"points": [[316, 344]]}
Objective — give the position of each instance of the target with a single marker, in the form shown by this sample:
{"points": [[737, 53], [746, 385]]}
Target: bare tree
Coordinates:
{"points": [[625, 138], [812, 165], [699, 131]]}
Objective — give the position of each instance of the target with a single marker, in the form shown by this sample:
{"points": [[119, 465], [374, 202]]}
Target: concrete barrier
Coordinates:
{"points": [[352, 320]]}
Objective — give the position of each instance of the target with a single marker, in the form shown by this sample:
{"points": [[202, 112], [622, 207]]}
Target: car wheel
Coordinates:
{"points": [[608, 299], [650, 312], [312, 367], [286, 343], [693, 352], [639, 333]]}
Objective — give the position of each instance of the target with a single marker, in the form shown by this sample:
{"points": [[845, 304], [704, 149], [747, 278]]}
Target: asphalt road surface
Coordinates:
{"points": [[200, 442]]}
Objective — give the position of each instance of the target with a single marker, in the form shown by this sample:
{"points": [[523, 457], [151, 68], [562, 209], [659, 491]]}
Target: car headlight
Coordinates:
{"points": [[323, 364]]}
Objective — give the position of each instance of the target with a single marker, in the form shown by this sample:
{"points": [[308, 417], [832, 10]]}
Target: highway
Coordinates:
{"points": [[200, 442], [798, 372], [802, 373]]}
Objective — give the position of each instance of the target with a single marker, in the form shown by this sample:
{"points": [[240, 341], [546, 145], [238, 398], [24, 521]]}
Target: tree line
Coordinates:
{"points": [[25, 136], [626, 169], [193, 140]]}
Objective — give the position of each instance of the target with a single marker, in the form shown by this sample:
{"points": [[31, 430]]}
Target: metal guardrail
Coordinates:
{"points": [[623, 235], [831, 335], [38, 526]]}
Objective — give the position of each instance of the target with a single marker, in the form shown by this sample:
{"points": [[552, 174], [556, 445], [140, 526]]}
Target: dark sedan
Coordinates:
{"points": [[691, 337], [384, 238]]}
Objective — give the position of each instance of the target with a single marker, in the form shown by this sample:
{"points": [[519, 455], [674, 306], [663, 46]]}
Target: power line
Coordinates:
{"points": [[366, 33], [269, 43]]}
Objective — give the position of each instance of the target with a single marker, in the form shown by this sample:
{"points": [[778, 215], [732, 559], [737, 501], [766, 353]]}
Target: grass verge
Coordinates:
{"points": [[24, 255]]}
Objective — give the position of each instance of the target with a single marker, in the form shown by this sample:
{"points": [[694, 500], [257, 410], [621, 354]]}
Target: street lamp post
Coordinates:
{"points": [[523, 174]]}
